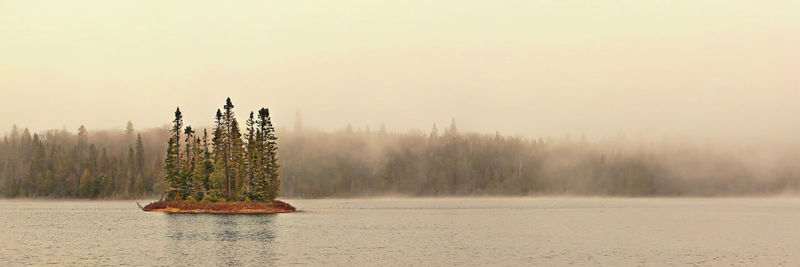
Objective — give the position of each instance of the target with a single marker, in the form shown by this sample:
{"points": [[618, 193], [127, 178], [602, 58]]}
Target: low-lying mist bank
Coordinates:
{"points": [[360, 163]]}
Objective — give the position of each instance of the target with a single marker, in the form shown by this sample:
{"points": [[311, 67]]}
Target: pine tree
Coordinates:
{"points": [[199, 174], [12, 181], [59, 163], [90, 188], [38, 168], [237, 160], [252, 154], [139, 154], [130, 172], [452, 130], [233, 152], [188, 143], [226, 149], [261, 183], [83, 138], [216, 183], [172, 163], [129, 132], [25, 144], [273, 169], [194, 172], [205, 141], [140, 163], [267, 182], [106, 178], [208, 163]]}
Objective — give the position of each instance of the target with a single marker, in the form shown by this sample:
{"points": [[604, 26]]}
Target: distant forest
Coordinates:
{"points": [[358, 162]]}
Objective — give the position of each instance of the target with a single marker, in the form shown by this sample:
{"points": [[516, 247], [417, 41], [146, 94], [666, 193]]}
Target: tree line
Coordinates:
{"points": [[61, 164], [220, 163], [227, 169], [361, 162]]}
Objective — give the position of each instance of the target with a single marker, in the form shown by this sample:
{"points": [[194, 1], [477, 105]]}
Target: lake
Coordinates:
{"points": [[439, 232]]}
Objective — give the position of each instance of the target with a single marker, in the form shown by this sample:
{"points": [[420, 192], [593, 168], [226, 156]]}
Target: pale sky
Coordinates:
{"points": [[535, 68]]}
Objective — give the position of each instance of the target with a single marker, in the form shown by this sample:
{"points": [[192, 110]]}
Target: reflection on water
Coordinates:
{"points": [[226, 240]]}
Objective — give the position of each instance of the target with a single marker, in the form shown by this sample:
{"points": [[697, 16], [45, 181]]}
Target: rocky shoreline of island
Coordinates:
{"points": [[233, 207]]}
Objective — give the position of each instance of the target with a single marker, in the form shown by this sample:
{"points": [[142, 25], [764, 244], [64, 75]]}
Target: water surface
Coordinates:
{"points": [[374, 232]]}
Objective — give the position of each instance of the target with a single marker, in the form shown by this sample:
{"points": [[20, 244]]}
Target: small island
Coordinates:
{"points": [[234, 207], [234, 174]]}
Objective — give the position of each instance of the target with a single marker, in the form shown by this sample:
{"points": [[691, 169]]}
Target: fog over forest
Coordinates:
{"points": [[359, 162]]}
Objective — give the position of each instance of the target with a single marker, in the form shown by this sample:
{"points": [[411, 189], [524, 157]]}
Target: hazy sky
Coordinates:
{"points": [[705, 68]]}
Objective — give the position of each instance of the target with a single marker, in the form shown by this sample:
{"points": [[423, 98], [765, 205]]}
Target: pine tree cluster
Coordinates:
{"points": [[229, 168], [60, 164]]}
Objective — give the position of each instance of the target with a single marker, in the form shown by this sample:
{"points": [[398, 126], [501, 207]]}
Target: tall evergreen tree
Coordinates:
{"points": [[139, 154], [172, 163], [129, 131], [88, 181], [252, 154], [267, 182], [195, 170], [104, 180], [140, 165], [452, 130], [83, 137], [233, 153], [188, 149], [218, 178], [130, 173], [38, 168], [237, 160], [208, 163], [227, 148], [199, 174]]}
